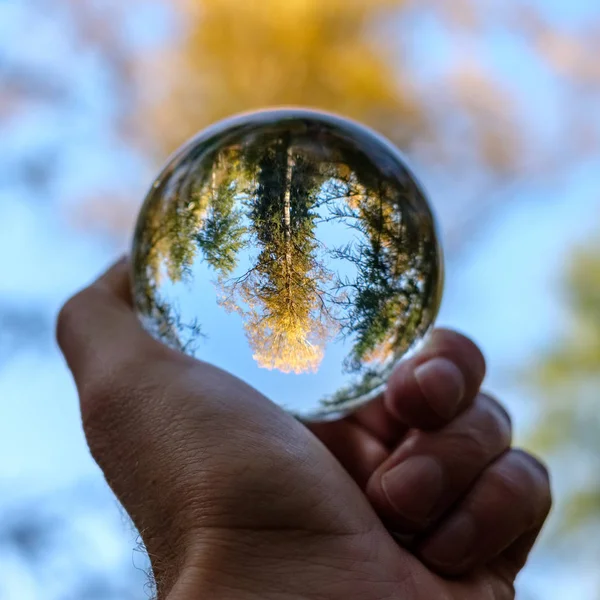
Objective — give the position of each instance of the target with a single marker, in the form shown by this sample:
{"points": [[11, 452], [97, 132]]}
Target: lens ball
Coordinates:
{"points": [[294, 249]]}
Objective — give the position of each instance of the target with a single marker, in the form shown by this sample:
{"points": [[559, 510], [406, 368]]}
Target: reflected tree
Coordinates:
{"points": [[396, 264], [221, 235], [189, 213], [281, 297], [271, 192], [166, 248]]}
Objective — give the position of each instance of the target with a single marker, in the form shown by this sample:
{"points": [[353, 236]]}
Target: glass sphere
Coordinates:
{"points": [[294, 249]]}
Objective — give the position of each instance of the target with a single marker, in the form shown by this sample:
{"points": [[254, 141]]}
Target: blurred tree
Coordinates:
{"points": [[361, 59], [441, 97], [569, 377], [376, 61]]}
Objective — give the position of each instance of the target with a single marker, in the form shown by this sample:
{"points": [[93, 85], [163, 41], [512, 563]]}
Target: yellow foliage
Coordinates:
{"points": [[236, 56], [281, 341]]}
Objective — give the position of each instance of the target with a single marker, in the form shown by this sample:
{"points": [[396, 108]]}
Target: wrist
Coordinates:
{"points": [[280, 565], [248, 565]]}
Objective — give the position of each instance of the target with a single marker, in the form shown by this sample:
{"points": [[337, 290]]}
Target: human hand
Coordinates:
{"points": [[236, 499], [434, 457]]}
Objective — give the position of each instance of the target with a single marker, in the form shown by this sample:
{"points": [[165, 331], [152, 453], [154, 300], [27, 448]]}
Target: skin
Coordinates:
{"points": [[417, 496]]}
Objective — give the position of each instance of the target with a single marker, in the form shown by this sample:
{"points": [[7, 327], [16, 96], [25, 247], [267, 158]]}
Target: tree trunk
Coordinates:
{"points": [[287, 206], [287, 220]]}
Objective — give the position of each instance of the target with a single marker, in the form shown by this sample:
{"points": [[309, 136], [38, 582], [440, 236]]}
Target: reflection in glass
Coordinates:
{"points": [[295, 250]]}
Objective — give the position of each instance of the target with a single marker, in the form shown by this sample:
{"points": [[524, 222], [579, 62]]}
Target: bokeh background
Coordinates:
{"points": [[497, 104]]}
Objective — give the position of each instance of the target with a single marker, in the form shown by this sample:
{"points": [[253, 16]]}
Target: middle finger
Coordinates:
{"points": [[431, 470]]}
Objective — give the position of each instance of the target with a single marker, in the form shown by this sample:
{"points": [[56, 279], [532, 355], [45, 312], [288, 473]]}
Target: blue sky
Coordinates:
{"points": [[41, 444], [504, 291]]}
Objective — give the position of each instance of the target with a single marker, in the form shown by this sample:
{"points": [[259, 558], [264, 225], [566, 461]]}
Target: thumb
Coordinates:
{"points": [[98, 330]]}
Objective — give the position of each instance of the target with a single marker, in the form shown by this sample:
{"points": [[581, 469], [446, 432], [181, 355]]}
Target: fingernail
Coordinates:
{"points": [[450, 547], [414, 487], [442, 384]]}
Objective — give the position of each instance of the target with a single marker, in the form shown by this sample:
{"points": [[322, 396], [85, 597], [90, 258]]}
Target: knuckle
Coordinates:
{"points": [[476, 359], [109, 390], [498, 407], [510, 484], [113, 394], [519, 483], [535, 463], [540, 476], [484, 433], [497, 421], [107, 415]]}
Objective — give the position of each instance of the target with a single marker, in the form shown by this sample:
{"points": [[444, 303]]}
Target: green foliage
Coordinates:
{"points": [[394, 265], [569, 379], [584, 505], [221, 236]]}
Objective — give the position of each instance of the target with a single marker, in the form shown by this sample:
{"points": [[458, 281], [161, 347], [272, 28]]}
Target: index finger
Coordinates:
{"points": [[438, 383], [427, 390]]}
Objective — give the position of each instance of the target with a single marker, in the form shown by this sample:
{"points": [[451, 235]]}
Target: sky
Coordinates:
{"points": [[42, 448], [504, 291]]}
